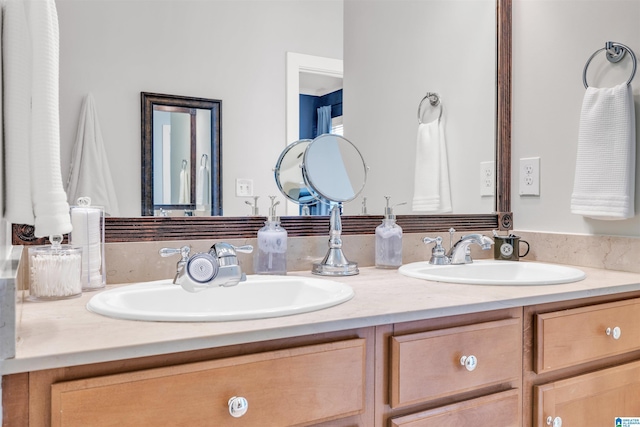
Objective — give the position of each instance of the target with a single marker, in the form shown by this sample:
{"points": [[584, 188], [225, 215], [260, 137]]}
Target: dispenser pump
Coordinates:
{"points": [[388, 210], [254, 206], [272, 210]]}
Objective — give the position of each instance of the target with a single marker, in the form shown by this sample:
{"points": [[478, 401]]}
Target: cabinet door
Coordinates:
{"points": [[570, 337], [500, 409], [427, 365], [593, 399], [298, 386]]}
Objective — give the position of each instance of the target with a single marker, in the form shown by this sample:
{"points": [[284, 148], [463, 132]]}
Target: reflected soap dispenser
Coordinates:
{"points": [[271, 256], [389, 240]]}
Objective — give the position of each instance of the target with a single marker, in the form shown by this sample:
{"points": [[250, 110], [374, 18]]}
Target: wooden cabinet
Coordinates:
{"points": [[299, 386], [429, 365], [593, 399], [320, 380], [570, 337], [514, 367], [448, 370], [582, 361], [498, 409]]}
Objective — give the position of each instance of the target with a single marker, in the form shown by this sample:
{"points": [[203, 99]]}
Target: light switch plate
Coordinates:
{"points": [[530, 176], [244, 187]]}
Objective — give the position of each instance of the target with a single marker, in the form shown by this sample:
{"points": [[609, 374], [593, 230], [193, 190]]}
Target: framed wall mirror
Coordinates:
{"points": [[181, 147], [125, 109]]}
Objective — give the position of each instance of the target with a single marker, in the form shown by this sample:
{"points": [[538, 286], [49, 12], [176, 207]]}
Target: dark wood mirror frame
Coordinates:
{"points": [[211, 228], [151, 101]]}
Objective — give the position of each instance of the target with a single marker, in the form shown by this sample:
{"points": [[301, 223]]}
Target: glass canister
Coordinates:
{"points": [[54, 271], [88, 235]]}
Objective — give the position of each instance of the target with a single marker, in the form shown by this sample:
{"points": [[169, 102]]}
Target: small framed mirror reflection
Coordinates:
{"points": [[181, 147]]}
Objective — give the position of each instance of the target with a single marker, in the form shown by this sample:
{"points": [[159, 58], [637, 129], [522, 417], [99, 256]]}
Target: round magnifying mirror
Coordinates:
{"points": [[334, 168], [288, 173]]}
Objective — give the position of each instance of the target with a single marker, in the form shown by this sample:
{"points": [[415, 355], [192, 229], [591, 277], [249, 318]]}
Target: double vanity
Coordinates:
{"points": [[399, 351]]}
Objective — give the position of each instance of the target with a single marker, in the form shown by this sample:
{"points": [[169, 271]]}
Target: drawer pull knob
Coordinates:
{"points": [[469, 362], [238, 406], [615, 333], [555, 422]]}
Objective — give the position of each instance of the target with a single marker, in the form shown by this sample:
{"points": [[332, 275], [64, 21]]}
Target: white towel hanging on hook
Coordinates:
{"points": [[432, 190], [89, 173]]}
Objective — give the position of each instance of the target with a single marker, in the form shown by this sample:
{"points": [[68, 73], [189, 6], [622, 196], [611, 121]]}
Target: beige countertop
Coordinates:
{"points": [[64, 333]]}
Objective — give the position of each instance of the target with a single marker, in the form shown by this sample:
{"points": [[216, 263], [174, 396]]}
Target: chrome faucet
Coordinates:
{"points": [[460, 252], [218, 267]]}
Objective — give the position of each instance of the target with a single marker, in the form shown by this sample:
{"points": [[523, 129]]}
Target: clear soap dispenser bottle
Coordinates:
{"points": [[389, 240], [271, 256]]}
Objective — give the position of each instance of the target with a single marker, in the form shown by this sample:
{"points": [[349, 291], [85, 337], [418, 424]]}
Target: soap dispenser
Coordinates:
{"points": [[389, 240], [271, 256]]}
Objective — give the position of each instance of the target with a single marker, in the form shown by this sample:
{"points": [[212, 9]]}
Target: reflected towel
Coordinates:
{"points": [[604, 183], [34, 189], [202, 187], [432, 192], [184, 197], [89, 174]]}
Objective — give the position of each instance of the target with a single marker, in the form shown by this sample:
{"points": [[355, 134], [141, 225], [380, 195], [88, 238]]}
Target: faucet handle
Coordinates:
{"points": [[438, 254], [428, 240], [245, 249], [183, 251], [222, 249], [184, 254]]}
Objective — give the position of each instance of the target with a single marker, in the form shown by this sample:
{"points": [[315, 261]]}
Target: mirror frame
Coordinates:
{"points": [[150, 100], [192, 228]]}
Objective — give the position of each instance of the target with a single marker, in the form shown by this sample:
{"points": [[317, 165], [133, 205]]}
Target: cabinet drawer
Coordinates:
{"points": [[285, 388], [570, 337], [594, 399], [500, 409], [427, 365]]}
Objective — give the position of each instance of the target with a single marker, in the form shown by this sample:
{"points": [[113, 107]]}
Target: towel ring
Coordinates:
{"points": [[615, 52], [434, 100]]}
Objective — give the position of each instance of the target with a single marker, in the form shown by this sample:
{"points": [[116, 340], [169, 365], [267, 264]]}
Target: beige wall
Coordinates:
{"points": [[552, 40]]}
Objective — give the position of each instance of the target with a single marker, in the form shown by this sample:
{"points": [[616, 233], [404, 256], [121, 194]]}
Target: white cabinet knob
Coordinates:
{"points": [[469, 362], [238, 406], [555, 422], [615, 333]]}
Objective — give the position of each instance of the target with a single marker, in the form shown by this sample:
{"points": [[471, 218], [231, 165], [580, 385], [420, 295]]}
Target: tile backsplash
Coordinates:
{"points": [[129, 262], [139, 261], [608, 252]]}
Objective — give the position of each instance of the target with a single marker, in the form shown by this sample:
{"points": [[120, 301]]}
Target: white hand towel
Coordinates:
{"points": [[604, 183], [432, 191], [202, 187], [89, 174], [184, 197], [17, 58], [35, 193]]}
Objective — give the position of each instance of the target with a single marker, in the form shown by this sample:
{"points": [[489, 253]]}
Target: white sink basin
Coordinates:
{"points": [[490, 272], [259, 297]]}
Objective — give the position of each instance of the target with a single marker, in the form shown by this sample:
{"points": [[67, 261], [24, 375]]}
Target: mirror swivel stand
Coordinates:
{"points": [[335, 263]]}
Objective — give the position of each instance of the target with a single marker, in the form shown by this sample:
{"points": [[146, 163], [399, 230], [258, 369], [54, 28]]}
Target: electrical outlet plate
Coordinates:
{"points": [[530, 176], [487, 179], [244, 187]]}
